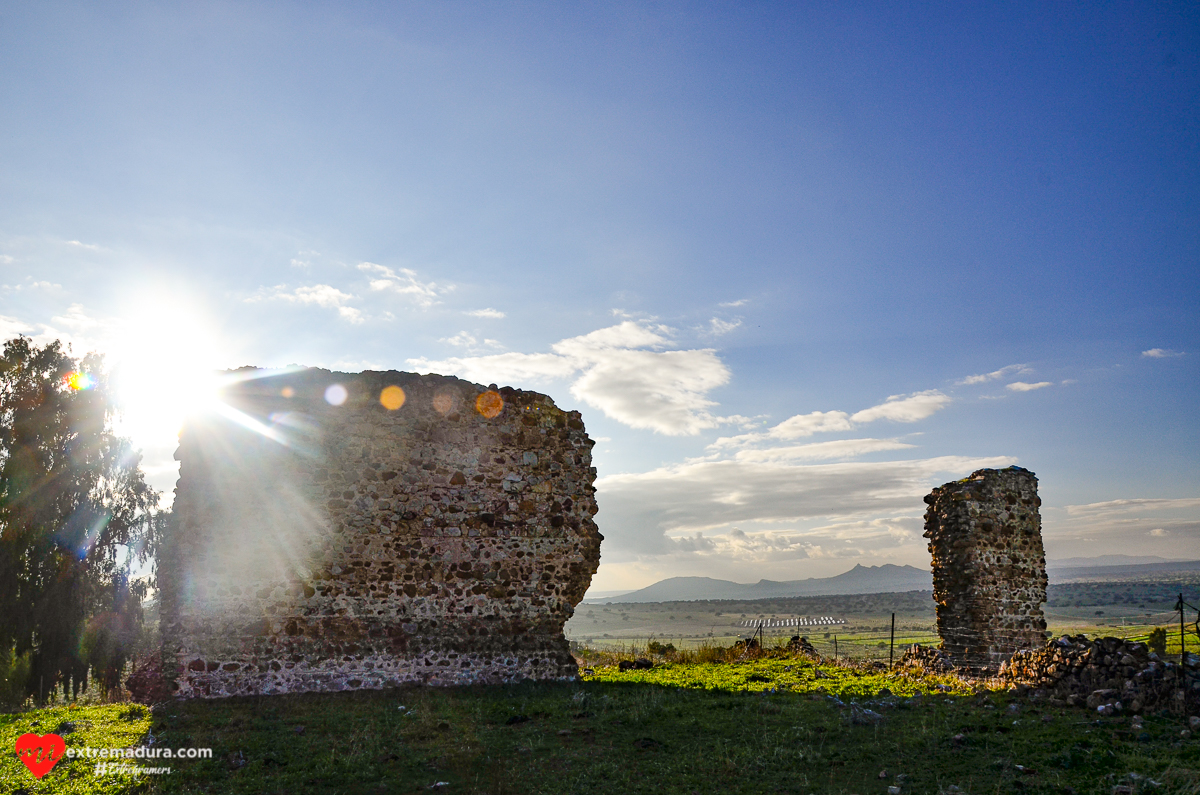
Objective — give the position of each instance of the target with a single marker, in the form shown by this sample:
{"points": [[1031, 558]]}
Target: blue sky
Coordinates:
{"points": [[965, 236]]}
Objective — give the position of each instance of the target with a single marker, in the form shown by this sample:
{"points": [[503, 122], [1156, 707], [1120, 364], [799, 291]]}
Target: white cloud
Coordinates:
{"points": [[404, 282], [795, 427], [841, 448], [501, 368], [76, 319], [660, 391], [491, 313], [322, 295], [855, 538], [77, 329], [11, 327], [739, 302], [638, 509], [6, 260], [994, 375], [620, 370], [900, 408], [462, 340], [905, 408], [801, 425], [465, 339], [1169, 527], [1113, 507], [717, 327], [1021, 386], [1161, 353], [32, 285], [630, 334], [77, 244]]}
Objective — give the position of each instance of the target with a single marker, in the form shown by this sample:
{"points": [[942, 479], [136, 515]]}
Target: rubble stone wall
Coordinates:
{"points": [[989, 567], [335, 532], [1109, 675]]}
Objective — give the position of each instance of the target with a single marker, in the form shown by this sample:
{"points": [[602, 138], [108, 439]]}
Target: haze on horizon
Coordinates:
{"points": [[796, 264]]}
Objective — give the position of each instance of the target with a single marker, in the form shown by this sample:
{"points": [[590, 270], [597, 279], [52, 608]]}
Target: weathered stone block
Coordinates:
{"points": [[423, 529], [989, 567]]}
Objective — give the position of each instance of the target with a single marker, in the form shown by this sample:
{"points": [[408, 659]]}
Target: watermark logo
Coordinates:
{"points": [[40, 752], [126, 769]]}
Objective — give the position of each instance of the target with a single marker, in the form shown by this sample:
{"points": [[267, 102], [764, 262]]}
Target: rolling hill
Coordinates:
{"points": [[860, 579]]}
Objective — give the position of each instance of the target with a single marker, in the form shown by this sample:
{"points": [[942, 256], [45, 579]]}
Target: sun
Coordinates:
{"points": [[163, 364]]}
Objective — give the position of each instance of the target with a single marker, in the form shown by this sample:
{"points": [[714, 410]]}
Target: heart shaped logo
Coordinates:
{"points": [[40, 752]]}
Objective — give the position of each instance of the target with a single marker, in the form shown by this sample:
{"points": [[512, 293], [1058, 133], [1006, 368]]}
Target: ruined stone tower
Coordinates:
{"points": [[989, 568], [335, 531]]}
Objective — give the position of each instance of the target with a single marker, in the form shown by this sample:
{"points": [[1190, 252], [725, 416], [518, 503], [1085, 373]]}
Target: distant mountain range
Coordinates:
{"points": [[860, 579], [1107, 560], [887, 578], [1101, 572]]}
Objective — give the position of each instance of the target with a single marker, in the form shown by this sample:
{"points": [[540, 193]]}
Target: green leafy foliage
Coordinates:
{"points": [[71, 497], [14, 678]]}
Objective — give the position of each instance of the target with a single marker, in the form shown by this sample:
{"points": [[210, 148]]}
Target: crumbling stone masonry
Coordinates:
{"points": [[337, 532], [989, 567]]}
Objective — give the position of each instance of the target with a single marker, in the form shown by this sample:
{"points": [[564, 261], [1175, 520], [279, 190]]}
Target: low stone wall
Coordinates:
{"points": [[339, 531], [989, 567], [926, 660], [1110, 675]]}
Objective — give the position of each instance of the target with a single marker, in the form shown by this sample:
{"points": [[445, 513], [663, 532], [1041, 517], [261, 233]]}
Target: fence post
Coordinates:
{"points": [[892, 644], [1182, 647], [835, 650]]}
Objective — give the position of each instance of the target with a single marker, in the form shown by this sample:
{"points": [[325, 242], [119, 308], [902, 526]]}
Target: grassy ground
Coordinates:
{"points": [[772, 725], [738, 726], [96, 726]]}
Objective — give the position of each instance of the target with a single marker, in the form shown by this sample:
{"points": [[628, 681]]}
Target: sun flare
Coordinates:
{"points": [[163, 364]]}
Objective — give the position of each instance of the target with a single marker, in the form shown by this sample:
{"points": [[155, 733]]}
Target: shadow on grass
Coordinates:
{"points": [[631, 737]]}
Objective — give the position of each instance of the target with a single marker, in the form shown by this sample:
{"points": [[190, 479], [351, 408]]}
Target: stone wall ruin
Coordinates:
{"points": [[336, 532], [989, 567]]}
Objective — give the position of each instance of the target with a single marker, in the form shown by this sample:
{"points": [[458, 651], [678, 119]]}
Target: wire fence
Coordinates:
{"points": [[822, 634]]}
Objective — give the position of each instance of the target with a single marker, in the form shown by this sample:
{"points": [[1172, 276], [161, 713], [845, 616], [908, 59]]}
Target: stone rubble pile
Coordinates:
{"points": [[927, 659], [639, 664], [146, 683], [1105, 674], [801, 645]]}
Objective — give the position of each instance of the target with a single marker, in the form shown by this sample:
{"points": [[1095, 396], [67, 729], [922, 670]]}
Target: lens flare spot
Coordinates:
{"points": [[489, 404], [445, 401], [288, 392], [336, 395], [78, 381], [392, 397]]}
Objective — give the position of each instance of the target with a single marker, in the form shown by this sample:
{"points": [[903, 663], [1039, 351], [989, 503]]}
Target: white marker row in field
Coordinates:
{"points": [[769, 623]]}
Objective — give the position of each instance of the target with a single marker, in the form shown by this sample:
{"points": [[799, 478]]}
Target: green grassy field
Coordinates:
{"points": [[1123, 609], [96, 726], [774, 724], [761, 726]]}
